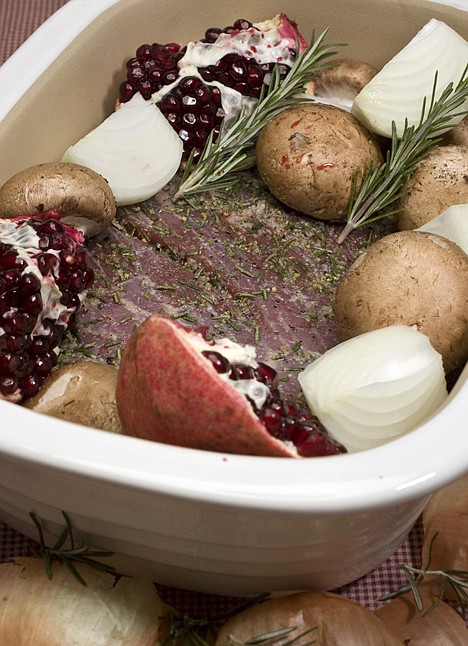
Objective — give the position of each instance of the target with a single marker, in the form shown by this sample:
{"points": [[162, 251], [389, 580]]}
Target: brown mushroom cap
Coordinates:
{"points": [[409, 278], [309, 155], [83, 393], [83, 196], [345, 80], [458, 135], [439, 181]]}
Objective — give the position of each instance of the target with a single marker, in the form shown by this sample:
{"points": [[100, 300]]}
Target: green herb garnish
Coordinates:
{"points": [[383, 184], [68, 555], [234, 150], [191, 631], [455, 579]]}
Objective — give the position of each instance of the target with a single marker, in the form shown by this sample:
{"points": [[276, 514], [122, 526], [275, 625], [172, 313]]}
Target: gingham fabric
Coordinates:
{"points": [[18, 19]]}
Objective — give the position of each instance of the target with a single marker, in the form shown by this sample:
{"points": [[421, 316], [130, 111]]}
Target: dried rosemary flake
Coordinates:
{"points": [[165, 287], [112, 344], [245, 272]]}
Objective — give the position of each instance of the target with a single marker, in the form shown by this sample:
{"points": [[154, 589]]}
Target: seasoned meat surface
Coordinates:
{"points": [[240, 265]]}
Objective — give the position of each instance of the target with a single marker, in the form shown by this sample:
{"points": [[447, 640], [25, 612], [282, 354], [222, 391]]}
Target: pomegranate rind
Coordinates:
{"points": [[168, 392], [287, 29]]}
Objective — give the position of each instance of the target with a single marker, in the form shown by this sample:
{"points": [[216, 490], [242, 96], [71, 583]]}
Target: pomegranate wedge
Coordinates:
{"points": [[176, 387], [205, 82], [43, 277]]}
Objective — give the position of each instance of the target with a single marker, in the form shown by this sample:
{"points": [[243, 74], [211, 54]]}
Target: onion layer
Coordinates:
{"points": [[451, 224], [332, 621], [376, 386], [41, 612], [135, 150], [397, 92]]}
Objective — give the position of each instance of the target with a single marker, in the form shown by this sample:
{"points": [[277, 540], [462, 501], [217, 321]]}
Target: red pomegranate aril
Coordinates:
{"points": [[144, 51], [29, 284], [32, 304], [60, 241], [11, 278], [272, 420], [39, 346], [8, 385], [126, 91], [318, 444], [8, 363], [30, 385], [50, 226], [12, 343], [268, 373], [212, 33], [47, 263], [16, 324], [240, 371], [295, 431], [11, 260], [219, 363], [43, 365], [189, 119], [24, 365]]}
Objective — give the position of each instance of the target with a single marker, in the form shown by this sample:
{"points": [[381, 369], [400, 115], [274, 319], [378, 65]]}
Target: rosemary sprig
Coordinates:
{"points": [[234, 148], [191, 631], [455, 579], [383, 184], [67, 556]]}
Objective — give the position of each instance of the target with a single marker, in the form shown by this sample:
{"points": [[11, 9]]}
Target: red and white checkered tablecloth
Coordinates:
{"points": [[18, 19]]}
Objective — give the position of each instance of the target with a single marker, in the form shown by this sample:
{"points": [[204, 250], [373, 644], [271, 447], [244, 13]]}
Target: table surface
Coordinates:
{"points": [[18, 19]]}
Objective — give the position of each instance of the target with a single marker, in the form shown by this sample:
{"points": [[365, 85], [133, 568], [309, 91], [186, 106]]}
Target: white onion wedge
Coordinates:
{"points": [[135, 150], [451, 224], [376, 386], [397, 92]]}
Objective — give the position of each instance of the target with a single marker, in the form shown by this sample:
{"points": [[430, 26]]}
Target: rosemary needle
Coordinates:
{"points": [[234, 148], [383, 184], [457, 580], [67, 556]]}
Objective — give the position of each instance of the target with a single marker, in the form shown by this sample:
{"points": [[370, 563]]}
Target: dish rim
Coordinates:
{"points": [[394, 473]]}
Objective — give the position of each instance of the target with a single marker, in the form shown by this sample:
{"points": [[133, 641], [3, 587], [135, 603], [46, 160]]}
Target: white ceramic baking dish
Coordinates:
{"points": [[193, 519]]}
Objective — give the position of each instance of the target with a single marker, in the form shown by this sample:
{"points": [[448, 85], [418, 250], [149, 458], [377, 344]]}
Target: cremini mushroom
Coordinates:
{"points": [[409, 278], [83, 393], [82, 195], [345, 79], [457, 135], [439, 181], [310, 155]]}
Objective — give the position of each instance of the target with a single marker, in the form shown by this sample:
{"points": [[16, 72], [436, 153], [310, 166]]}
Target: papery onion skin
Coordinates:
{"points": [[397, 92], [446, 515], [337, 622], [135, 150], [376, 386], [441, 626], [36, 611]]}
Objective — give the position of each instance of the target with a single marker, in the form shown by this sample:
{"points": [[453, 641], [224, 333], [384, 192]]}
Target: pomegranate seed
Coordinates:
{"points": [[219, 363], [272, 420], [239, 371], [8, 386]]}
